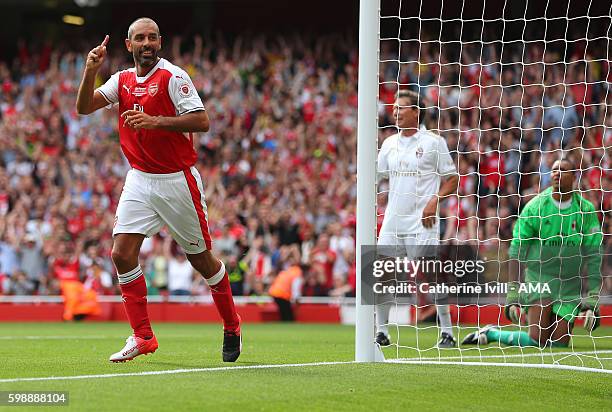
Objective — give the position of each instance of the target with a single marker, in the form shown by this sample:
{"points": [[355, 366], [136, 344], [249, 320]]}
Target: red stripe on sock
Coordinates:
{"points": [[196, 197], [135, 304]]}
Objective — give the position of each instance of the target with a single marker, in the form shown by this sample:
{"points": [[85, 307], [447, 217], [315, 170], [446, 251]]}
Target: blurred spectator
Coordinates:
{"points": [[20, 285], [97, 279], [4, 284], [315, 282], [32, 260], [322, 259], [9, 262], [286, 287], [65, 266], [236, 270], [180, 272], [156, 264], [259, 265]]}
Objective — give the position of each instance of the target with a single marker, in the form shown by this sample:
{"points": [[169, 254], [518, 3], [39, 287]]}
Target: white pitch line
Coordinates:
{"points": [[294, 365], [516, 355], [515, 365], [171, 372], [42, 337]]}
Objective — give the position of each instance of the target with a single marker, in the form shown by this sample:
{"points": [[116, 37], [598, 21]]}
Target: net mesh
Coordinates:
{"points": [[511, 87]]}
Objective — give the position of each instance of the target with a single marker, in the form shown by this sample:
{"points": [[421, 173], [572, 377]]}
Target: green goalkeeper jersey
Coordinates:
{"points": [[555, 244]]}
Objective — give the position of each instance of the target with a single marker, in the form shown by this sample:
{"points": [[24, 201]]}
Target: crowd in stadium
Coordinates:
{"points": [[279, 162]]}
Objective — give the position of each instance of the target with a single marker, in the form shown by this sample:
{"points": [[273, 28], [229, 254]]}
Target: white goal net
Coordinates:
{"points": [[510, 88]]}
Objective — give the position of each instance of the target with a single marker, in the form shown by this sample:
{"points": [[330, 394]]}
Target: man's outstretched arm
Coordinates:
{"points": [[88, 100]]}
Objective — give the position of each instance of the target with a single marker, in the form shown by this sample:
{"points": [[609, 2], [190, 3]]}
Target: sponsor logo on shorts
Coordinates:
{"points": [[197, 243]]}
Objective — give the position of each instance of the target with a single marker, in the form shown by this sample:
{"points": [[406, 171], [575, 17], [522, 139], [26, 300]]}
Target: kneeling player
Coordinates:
{"points": [[556, 235]]}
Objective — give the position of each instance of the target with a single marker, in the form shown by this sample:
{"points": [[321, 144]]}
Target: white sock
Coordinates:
{"points": [[130, 276], [444, 319], [217, 277], [382, 318]]}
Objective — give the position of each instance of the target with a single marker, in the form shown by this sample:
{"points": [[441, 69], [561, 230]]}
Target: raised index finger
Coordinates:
{"points": [[105, 41]]}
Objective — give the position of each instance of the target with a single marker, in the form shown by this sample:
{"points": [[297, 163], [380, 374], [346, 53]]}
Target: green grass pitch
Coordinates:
{"points": [[56, 349]]}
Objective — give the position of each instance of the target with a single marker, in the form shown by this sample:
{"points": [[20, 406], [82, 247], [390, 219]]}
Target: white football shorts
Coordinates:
{"points": [[150, 201], [413, 245]]}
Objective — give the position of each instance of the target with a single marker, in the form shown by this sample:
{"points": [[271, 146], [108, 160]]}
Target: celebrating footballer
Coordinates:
{"points": [[159, 111]]}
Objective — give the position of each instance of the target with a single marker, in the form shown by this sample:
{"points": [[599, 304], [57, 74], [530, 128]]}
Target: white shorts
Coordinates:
{"points": [[150, 201], [408, 244]]}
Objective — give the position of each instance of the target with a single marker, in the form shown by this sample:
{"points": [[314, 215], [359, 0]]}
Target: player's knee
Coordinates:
{"points": [[123, 259], [539, 337], [205, 263]]}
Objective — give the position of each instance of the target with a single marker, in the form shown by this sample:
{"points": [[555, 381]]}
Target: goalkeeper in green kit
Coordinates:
{"points": [[556, 239]]}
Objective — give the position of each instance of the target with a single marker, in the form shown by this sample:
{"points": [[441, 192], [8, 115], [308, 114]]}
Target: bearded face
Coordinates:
{"points": [[144, 43]]}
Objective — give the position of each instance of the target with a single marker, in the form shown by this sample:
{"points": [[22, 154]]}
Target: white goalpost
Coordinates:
{"points": [[367, 148], [512, 88]]}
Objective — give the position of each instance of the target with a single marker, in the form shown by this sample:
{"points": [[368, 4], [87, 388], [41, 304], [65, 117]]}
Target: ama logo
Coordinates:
{"points": [[534, 288]]}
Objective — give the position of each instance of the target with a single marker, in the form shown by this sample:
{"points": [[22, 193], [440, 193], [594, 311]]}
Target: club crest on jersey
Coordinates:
{"points": [[419, 152], [139, 91], [153, 87], [184, 90]]}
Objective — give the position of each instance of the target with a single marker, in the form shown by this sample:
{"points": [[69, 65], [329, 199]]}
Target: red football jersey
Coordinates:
{"points": [[65, 269], [167, 91]]}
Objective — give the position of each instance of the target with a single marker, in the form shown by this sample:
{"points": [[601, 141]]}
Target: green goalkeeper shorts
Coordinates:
{"points": [[565, 310]]}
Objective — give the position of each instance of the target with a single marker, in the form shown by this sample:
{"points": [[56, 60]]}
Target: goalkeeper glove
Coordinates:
{"points": [[590, 312], [512, 309]]}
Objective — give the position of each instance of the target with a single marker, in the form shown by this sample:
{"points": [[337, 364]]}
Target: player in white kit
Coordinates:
{"points": [[421, 172]]}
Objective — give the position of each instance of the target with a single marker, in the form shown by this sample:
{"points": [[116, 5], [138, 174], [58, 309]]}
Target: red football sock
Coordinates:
{"points": [[134, 294], [224, 301]]}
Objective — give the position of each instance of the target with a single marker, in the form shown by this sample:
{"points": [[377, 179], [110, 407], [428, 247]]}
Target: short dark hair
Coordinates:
{"points": [[415, 100], [569, 162], [143, 20]]}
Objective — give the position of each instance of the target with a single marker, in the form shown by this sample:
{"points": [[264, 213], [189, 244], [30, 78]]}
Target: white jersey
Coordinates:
{"points": [[414, 166], [180, 275]]}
